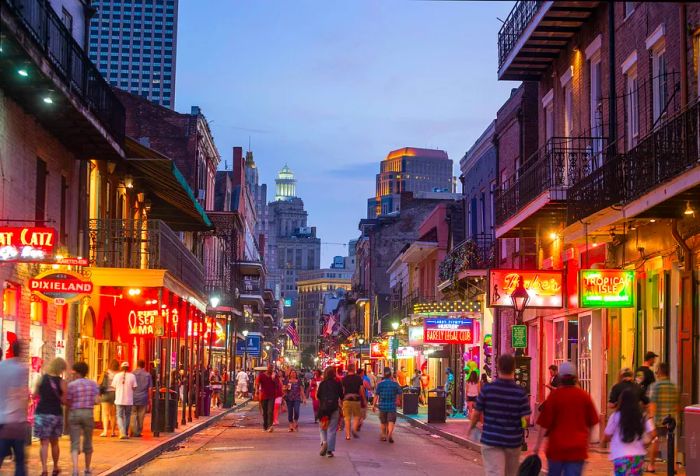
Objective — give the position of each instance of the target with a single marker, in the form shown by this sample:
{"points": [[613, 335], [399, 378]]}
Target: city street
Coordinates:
{"points": [[237, 445]]}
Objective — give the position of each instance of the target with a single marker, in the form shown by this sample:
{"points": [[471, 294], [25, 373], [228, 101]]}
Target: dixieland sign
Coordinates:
{"points": [[63, 285]]}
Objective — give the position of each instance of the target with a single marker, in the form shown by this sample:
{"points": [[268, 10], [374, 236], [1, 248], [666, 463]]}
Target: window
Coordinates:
{"points": [[548, 108], [659, 82], [67, 20], [628, 8], [631, 107], [596, 108], [40, 192], [62, 218], [568, 110]]}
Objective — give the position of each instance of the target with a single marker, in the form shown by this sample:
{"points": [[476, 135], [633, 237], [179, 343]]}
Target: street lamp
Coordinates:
{"points": [[395, 345], [214, 301], [269, 355], [520, 299], [361, 341], [245, 350]]}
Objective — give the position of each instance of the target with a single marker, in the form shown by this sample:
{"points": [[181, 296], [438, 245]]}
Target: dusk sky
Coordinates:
{"points": [[330, 87]]}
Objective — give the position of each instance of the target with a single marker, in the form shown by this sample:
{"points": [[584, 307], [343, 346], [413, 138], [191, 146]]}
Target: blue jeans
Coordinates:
{"points": [[293, 407], [328, 436], [123, 419], [17, 447], [565, 468]]}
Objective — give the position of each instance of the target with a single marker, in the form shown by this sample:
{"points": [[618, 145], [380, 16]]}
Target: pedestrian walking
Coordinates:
{"points": [[554, 379], [330, 396], [107, 394], [385, 396], [665, 401], [625, 382], [294, 396], [424, 386], [142, 392], [472, 391], [279, 401], [216, 386], [628, 431], [449, 390], [567, 417], [51, 391], [364, 401], [14, 429], [401, 377], [644, 373], [313, 389], [265, 390], [353, 397], [504, 406], [242, 384], [124, 384], [82, 397]]}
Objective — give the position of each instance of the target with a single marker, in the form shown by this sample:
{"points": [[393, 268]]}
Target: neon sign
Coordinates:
{"points": [[545, 288], [26, 243], [64, 286], [606, 288], [441, 330]]}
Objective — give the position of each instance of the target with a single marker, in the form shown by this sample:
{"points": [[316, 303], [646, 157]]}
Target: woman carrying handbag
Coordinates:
{"points": [[48, 418]]}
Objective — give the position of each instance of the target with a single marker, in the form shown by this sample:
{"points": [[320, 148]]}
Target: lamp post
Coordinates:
{"points": [[361, 341], [394, 345], [269, 355], [245, 350]]}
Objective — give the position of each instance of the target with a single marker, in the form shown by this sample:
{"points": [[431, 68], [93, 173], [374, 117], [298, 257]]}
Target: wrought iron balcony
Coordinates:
{"points": [[65, 64], [144, 244], [477, 252], [547, 175]]}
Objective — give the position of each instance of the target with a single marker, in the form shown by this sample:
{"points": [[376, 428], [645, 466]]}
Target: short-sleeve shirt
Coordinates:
{"points": [[503, 403], [620, 449], [143, 384], [664, 395], [268, 386], [82, 394], [620, 387], [352, 384], [13, 391], [388, 390], [568, 415], [124, 384], [647, 379], [294, 390]]}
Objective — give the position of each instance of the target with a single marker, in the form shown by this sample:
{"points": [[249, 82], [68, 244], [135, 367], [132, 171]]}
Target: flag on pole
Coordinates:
{"points": [[292, 333], [330, 324], [344, 331]]}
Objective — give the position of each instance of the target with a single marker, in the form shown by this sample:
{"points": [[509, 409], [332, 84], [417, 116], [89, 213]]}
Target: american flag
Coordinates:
{"points": [[292, 333], [344, 331], [330, 324]]}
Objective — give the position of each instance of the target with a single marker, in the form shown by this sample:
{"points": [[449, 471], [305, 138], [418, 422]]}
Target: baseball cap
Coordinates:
{"points": [[567, 368], [125, 364], [650, 355]]}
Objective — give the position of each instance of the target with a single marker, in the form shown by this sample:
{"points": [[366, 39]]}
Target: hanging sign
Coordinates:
{"points": [[606, 288], [26, 243], [518, 336], [62, 285], [545, 288], [377, 350], [405, 352], [415, 335], [443, 330]]}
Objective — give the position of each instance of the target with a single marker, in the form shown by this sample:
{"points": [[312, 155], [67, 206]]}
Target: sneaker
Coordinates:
{"points": [[324, 449], [270, 430], [329, 454], [391, 440]]}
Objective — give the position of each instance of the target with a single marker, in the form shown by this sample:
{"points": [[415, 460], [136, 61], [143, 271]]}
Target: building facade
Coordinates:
{"points": [[134, 45]]}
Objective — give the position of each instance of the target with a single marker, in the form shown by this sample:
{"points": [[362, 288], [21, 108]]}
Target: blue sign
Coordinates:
{"points": [[288, 302], [253, 346]]}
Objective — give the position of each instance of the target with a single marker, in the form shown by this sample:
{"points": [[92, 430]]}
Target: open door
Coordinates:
{"points": [[686, 326]]}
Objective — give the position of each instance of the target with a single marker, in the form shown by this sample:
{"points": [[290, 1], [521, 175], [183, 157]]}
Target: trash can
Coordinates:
{"points": [[230, 393], [410, 401], [204, 402], [159, 424], [436, 406], [691, 437]]}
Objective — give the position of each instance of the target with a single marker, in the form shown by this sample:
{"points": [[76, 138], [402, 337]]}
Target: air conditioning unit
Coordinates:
{"points": [[201, 194]]}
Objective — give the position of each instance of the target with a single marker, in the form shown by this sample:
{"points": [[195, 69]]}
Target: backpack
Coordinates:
{"points": [[530, 466]]}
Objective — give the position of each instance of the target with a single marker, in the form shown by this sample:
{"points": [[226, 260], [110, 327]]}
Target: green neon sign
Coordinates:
{"points": [[606, 288]]}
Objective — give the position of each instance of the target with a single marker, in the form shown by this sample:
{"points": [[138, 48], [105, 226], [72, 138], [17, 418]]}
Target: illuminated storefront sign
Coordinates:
{"points": [[405, 353], [60, 287], [377, 350], [151, 322], [606, 288], [415, 335], [444, 330], [26, 243], [545, 288]]}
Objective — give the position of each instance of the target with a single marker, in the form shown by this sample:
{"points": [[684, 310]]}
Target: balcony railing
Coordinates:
{"points": [[668, 151], [71, 63], [475, 253], [518, 19], [144, 244], [250, 285], [556, 166]]}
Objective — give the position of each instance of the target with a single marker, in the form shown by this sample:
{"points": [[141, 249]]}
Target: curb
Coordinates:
{"points": [[442, 433], [152, 453]]}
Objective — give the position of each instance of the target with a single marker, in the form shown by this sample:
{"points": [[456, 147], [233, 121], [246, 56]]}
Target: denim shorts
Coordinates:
{"points": [[48, 426]]}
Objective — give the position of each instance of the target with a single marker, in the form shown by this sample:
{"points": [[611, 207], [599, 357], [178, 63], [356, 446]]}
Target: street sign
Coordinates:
{"points": [[252, 342], [519, 337]]}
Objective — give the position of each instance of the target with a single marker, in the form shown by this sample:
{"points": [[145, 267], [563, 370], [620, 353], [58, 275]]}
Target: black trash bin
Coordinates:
{"points": [[204, 402], [436, 406], [159, 424], [230, 393], [410, 400]]}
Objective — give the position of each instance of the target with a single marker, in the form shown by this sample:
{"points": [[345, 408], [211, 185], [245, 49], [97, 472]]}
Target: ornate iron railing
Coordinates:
{"points": [[143, 244], [71, 63], [560, 163], [477, 252], [511, 30]]}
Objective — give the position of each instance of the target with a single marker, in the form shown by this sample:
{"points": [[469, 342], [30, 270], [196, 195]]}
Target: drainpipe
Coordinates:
{"points": [[687, 253], [612, 106], [684, 54]]}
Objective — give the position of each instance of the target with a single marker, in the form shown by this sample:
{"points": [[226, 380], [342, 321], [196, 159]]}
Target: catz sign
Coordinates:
{"points": [[26, 243], [64, 286]]}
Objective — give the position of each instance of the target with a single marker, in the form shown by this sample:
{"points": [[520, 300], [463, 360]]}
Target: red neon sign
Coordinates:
{"points": [[26, 243], [545, 288]]}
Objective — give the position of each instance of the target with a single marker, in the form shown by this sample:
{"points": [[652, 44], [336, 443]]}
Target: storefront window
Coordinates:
{"points": [[559, 337], [572, 340], [585, 348]]}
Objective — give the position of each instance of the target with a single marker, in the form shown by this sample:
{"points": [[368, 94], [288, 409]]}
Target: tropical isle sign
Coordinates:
{"points": [[606, 288], [59, 286]]}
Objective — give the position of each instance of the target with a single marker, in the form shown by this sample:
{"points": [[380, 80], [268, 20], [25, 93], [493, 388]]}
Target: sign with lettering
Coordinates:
{"points": [[26, 243], [415, 335], [64, 285], [251, 345], [606, 288], [444, 330], [545, 288], [518, 336], [405, 352]]}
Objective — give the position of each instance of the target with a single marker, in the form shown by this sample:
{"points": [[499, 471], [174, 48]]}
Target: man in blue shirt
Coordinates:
{"points": [[385, 398], [504, 405]]}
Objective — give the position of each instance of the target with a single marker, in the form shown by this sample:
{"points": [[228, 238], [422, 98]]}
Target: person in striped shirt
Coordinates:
{"points": [[81, 396], [504, 406]]}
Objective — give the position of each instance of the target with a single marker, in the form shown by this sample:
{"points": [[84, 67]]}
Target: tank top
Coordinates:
{"points": [[472, 389], [49, 396]]}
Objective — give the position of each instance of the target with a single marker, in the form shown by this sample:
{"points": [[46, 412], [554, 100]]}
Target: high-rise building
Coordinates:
{"points": [[292, 244], [134, 44], [425, 172]]}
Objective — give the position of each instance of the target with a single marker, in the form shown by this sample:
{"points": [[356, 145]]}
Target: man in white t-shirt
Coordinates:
{"points": [[242, 383], [124, 384]]}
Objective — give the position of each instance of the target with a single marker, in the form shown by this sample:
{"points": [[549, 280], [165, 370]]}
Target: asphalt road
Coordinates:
{"points": [[237, 445]]}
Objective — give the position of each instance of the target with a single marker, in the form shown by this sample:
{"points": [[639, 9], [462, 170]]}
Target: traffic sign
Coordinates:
{"points": [[519, 336], [252, 342]]}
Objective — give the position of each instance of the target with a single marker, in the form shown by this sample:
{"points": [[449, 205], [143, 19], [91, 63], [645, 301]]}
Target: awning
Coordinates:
{"points": [[172, 199]]}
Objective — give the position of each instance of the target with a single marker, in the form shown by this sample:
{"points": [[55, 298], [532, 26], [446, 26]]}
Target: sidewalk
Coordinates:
{"points": [[113, 456], [455, 429]]}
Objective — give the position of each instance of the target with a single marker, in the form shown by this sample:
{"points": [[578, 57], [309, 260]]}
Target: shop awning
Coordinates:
{"points": [[172, 199]]}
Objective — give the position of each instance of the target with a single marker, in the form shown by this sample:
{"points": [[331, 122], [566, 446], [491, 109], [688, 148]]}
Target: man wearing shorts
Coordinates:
{"points": [[385, 398], [352, 401]]}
